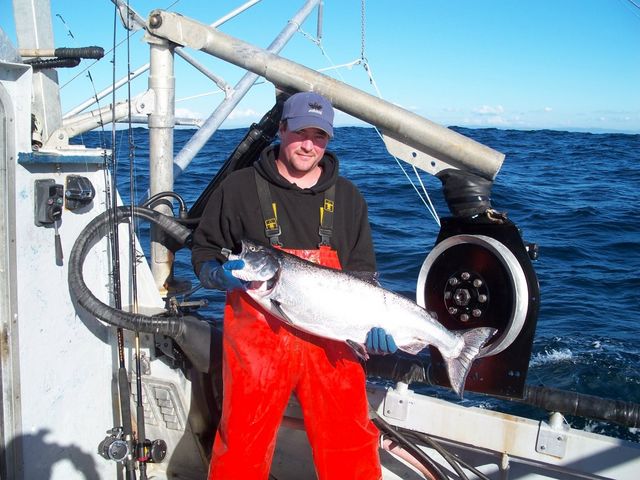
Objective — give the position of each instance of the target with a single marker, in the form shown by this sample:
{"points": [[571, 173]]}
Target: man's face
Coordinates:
{"points": [[302, 150]]}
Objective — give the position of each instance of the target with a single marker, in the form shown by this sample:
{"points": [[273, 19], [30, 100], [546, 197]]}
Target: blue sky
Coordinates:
{"points": [[526, 64]]}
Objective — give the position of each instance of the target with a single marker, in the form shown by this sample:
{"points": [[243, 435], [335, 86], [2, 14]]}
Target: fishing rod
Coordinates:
{"points": [[141, 453], [117, 444], [121, 448]]}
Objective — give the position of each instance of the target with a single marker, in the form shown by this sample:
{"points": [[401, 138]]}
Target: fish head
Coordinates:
{"points": [[261, 266]]}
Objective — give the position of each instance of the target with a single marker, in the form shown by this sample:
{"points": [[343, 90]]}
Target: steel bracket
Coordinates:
{"points": [[397, 401], [553, 436]]}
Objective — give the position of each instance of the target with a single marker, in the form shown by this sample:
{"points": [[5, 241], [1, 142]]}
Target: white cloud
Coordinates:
{"points": [[489, 110], [186, 113], [242, 114]]}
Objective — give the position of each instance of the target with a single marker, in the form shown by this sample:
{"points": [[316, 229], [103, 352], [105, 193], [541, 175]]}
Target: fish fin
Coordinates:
{"points": [[458, 367], [359, 350], [281, 313], [414, 348]]}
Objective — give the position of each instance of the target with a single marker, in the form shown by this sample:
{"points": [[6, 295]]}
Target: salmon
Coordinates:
{"points": [[344, 306]]}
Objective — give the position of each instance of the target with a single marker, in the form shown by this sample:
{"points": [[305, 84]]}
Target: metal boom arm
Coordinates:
{"points": [[437, 143]]}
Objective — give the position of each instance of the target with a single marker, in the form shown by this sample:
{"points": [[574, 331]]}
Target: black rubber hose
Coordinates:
{"points": [[54, 63], [410, 447], [92, 233], [582, 405], [84, 52], [190, 333], [448, 456], [151, 200], [414, 370]]}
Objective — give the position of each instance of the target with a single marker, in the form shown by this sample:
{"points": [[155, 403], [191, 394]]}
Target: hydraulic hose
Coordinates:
{"points": [[581, 405], [466, 194], [192, 334], [385, 428], [415, 370], [453, 460], [54, 63], [93, 232]]}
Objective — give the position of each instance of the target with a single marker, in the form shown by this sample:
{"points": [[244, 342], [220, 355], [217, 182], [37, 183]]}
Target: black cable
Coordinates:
{"points": [[409, 446], [427, 440], [404, 436], [451, 459], [151, 200]]}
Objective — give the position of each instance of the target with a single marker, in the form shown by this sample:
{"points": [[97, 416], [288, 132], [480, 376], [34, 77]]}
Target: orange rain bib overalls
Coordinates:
{"points": [[264, 361]]}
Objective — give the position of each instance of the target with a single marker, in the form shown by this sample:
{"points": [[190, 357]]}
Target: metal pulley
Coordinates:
{"points": [[479, 273], [480, 281]]}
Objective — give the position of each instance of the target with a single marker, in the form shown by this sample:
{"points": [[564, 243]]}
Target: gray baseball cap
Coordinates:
{"points": [[307, 110]]}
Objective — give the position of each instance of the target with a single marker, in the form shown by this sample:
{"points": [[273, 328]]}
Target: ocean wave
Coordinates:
{"points": [[552, 356]]}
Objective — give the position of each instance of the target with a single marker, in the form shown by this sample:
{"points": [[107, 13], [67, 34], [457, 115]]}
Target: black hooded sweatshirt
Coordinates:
{"points": [[233, 213]]}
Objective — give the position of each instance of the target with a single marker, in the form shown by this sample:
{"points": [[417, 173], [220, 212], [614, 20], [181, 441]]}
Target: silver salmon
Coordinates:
{"points": [[342, 306]]}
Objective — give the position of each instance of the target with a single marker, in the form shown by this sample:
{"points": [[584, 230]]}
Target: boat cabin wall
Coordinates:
{"points": [[59, 363]]}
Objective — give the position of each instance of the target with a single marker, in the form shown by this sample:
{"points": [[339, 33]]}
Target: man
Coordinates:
{"points": [[292, 198]]}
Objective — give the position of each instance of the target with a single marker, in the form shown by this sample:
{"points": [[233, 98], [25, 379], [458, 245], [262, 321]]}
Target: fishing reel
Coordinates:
{"points": [[116, 447], [479, 274]]}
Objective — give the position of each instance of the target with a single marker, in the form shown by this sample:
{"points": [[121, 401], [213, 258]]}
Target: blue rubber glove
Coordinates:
{"points": [[213, 274], [379, 342]]}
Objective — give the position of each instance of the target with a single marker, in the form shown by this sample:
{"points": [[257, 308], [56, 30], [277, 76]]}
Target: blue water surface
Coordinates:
{"points": [[575, 195]]}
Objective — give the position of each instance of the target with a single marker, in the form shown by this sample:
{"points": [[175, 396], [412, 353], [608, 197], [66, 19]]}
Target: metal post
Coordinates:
{"points": [[161, 123], [34, 30], [139, 21], [200, 138]]}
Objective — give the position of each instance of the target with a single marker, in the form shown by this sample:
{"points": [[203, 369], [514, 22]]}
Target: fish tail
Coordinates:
{"points": [[458, 367]]}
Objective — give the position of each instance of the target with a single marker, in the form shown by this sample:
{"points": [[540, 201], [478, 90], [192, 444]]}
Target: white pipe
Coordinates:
{"points": [[161, 124], [202, 136], [406, 127], [188, 58]]}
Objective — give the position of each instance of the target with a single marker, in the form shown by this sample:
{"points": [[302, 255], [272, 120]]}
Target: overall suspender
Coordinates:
{"points": [[272, 228]]}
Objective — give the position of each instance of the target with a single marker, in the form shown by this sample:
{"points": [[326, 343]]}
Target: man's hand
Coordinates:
{"points": [[379, 342], [219, 276]]}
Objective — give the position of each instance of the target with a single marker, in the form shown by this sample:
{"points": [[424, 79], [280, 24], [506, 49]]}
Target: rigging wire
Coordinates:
{"points": [[424, 194], [111, 50], [632, 2], [426, 200], [634, 5]]}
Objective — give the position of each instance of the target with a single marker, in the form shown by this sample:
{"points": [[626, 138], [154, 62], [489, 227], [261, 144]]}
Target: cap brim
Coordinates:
{"points": [[300, 123]]}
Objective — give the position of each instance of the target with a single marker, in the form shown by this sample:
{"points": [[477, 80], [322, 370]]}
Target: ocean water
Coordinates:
{"points": [[575, 195]]}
